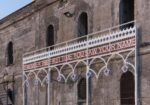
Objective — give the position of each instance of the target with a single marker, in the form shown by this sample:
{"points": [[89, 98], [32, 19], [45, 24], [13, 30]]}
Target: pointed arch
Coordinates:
{"points": [[10, 58], [50, 36], [10, 94], [82, 27], [127, 89], [82, 89]]}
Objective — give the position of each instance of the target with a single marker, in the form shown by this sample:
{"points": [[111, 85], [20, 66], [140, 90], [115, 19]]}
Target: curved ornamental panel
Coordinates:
{"points": [[95, 48]]}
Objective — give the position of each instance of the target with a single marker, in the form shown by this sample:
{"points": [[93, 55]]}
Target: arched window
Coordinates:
{"points": [[50, 36], [126, 10], [82, 24], [82, 91], [10, 95], [10, 53], [127, 89]]}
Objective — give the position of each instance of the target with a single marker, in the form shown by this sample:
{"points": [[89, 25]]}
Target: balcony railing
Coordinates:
{"points": [[111, 35]]}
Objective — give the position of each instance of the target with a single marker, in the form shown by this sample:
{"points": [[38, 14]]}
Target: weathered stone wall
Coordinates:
{"points": [[27, 28]]}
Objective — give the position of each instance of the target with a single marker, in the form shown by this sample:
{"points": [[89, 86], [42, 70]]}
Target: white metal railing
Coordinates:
{"points": [[101, 38], [88, 41]]}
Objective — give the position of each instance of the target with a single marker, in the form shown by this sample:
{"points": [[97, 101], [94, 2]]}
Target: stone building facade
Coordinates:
{"points": [[28, 29]]}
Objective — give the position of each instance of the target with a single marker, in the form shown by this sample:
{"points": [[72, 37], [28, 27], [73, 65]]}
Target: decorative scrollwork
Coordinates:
{"points": [[125, 68], [74, 77], [59, 78], [90, 74], [36, 82], [106, 71]]}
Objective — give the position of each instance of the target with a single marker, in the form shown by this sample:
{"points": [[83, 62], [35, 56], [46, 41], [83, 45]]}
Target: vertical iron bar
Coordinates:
{"points": [[49, 81], [87, 78], [136, 67], [87, 89], [23, 88], [48, 87]]}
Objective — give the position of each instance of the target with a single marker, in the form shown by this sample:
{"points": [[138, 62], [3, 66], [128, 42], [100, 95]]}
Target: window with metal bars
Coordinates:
{"points": [[82, 89], [126, 10], [127, 89]]}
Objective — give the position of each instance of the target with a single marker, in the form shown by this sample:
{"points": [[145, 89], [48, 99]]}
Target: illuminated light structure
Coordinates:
{"points": [[122, 43]]}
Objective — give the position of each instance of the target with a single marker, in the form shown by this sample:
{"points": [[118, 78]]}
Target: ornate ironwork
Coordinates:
{"points": [[87, 59]]}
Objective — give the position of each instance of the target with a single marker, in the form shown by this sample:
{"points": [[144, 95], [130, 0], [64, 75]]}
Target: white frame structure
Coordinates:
{"points": [[90, 41]]}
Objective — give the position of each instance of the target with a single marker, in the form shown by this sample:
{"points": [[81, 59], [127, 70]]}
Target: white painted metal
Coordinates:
{"points": [[87, 78], [111, 37], [90, 42], [48, 98], [23, 88], [136, 71]]}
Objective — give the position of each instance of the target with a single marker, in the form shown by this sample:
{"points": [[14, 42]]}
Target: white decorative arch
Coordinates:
{"points": [[58, 58]]}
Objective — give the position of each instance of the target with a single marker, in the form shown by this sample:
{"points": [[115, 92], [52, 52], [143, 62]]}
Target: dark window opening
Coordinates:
{"points": [[10, 53], [26, 94], [126, 12], [10, 95], [50, 36], [82, 91], [127, 89], [83, 24]]}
